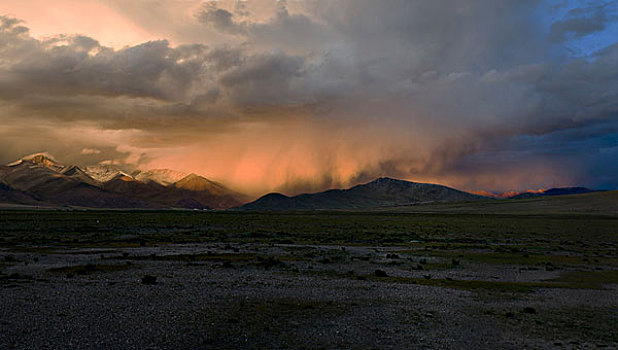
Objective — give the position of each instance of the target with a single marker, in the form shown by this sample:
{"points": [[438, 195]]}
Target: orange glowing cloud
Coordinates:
{"points": [[505, 194], [86, 17], [308, 155]]}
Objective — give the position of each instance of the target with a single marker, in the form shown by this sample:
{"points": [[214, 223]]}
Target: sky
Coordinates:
{"points": [[305, 95]]}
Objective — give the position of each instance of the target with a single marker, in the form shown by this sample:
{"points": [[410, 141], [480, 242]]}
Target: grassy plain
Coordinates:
{"points": [[431, 276], [134, 228]]}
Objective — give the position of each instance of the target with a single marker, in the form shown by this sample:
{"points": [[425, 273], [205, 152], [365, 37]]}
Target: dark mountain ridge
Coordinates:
{"points": [[381, 192]]}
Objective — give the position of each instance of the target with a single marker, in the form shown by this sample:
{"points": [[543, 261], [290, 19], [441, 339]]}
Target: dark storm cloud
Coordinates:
{"points": [[263, 78], [219, 19], [292, 31], [79, 65]]}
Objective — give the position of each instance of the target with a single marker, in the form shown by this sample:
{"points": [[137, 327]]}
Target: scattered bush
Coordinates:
{"points": [[148, 279], [529, 310], [270, 261], [381, 273]]}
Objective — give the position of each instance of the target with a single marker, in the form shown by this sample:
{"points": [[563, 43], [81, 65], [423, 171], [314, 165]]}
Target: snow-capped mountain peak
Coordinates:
{"points": [[43, 180], [104, 173], [163, 177], [42, 159]]}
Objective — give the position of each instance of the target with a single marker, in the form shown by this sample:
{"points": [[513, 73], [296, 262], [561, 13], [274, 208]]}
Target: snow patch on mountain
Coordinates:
{"points": [[41, 158], [104, 173], [163, 177]]}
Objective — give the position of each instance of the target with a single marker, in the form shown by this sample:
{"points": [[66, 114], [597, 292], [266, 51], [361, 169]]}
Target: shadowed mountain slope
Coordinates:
{"points": [[13, 196], [378, 193], [194, 193], [48, 183]]}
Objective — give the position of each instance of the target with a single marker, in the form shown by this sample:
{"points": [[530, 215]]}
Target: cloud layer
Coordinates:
{"points": [[308, 95]]}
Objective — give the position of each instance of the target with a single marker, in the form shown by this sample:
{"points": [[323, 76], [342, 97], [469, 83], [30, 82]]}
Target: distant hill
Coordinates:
{"points": [[378, 193], [597, 203], [561, 191], [39, 179]]}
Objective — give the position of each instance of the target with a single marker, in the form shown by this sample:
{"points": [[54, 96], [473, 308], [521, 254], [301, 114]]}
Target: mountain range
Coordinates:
{"points": [[388, 192], [40, 180]]}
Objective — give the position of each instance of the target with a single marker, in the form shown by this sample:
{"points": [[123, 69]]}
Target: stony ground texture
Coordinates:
{"points": [[305, 296]]}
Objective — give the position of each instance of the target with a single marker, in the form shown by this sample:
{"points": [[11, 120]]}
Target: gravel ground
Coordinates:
{"points": [[284, 296]]}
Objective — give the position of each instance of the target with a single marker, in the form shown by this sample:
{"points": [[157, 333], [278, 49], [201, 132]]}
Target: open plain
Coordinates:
{"points": [[202, 279]]}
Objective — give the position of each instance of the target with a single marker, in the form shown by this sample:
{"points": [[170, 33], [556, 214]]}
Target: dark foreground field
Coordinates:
{"points": [[178, 279]]}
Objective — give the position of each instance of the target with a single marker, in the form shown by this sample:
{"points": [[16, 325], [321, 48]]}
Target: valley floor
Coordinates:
{"points": [[167, 280]]}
